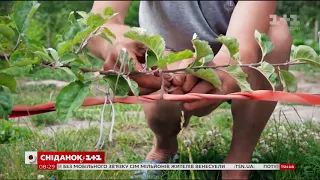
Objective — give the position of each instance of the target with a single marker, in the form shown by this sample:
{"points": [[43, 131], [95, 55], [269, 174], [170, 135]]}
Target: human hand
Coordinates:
{"points": [[148, 83], [192, 84]]}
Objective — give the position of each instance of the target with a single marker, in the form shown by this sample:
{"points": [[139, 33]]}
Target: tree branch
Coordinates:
{"points": [[174, 70], [17, 45]]}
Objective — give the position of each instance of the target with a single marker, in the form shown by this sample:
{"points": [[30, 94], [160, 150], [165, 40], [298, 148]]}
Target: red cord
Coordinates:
{"points": [[261, 95]]}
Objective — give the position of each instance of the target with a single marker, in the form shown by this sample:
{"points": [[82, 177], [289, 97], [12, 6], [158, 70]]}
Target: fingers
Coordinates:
{"points": [[149, 81], [203, 87], [175, 90], [111, 62], [144, 91], [180, 79], [137, 65], [204, 103], [190, 82]]}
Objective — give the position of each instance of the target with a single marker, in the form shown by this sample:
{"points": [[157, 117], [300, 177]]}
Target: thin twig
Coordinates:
{"points": [[7, 58], [85, 41], [241, 65], [287, 120], [100, 142], [113, 119], [108, 72], [298, 114], [17, 45]]}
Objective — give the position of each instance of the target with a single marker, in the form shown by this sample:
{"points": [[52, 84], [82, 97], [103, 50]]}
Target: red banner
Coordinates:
{"points": [[49, 160], [287, 167]]}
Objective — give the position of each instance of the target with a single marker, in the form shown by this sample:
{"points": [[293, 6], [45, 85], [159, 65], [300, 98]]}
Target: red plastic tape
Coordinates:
{"points": [[261, 95]]}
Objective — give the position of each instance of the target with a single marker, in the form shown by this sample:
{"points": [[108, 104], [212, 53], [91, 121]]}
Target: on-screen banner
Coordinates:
{"points": [[95, 160]]}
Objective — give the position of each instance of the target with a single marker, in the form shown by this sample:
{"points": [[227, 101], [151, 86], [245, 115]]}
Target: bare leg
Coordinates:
{"points": [[250, 117], [164, 119]]}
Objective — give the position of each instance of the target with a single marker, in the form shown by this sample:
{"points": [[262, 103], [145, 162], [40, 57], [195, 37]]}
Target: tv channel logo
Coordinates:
{"points": [[30, 157]]}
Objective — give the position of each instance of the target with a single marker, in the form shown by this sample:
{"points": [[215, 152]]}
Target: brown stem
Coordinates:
{"points": [[85, 41], [174, 70], [16, 46]]}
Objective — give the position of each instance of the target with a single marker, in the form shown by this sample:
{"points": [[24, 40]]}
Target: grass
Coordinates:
{"points": [[210, 138]]}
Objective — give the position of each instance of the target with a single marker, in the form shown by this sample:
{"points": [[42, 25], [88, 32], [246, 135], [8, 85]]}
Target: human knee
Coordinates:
{"points": [[280, 35]]}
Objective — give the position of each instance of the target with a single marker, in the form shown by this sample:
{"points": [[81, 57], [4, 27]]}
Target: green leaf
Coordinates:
{"points": [[4, 64], [109, 33], [70, 98], [7, 32], [174, 57], [205, 61], [208, 58], [151, 59], [54, 54], [133, 86], [64, 46], [231, 43], [207, 74], [79, 74], [293, 47], [72, 18], [83, 59], [43, 55], [241, 78], [268, 72], [266, 45], [31, 43], [23, 12], [80, 36], [104, 36], [23, 57], [6, 103], [8, 81], [119, 85], [68, 71], [131, 65], [72, 31], [154, 42], [67, 58], [5, 20], [95, 20], [306, 54], [6, 47], [108, 11], [83, 14], [288, 81], [202, 48]]}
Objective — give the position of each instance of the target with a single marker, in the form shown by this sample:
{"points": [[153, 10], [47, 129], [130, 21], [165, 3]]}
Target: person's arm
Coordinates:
{"points": [[109, 52], [247, 17], [97, 45], [120, 7]]}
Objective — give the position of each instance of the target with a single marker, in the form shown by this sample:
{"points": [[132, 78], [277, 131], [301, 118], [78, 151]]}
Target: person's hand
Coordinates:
{"points": [[109, 53], [182, 82], [192, 84]]}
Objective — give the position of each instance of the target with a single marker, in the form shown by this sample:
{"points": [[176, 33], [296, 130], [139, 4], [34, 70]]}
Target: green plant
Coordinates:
{"points": [[72, 56], [9, 133]]}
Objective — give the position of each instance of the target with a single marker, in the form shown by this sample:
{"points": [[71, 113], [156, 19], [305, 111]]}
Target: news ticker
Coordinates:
{"points": [[96, 161]]}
